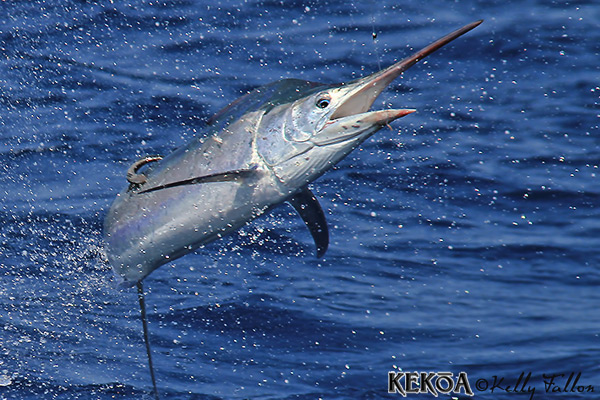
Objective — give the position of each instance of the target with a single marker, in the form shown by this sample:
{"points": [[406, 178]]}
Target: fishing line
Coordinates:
{"points": [[140, 290], [374, 35], [373, 12]]}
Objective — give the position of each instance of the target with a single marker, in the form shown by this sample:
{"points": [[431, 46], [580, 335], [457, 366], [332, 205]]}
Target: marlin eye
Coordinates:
{"points": [[323, 102]]}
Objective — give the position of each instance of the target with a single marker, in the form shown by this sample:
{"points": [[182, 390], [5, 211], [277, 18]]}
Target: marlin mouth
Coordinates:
{"points": [[343, 129], [358, 96]]}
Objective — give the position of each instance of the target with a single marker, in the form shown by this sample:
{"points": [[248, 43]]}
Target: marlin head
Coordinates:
{"points": [[302, 139]]}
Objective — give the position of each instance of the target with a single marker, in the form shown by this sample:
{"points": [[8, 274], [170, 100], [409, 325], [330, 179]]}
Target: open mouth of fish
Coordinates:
{"points": [[352, 117]]}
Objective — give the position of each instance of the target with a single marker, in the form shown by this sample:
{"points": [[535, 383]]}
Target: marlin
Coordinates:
{"points": [[258, 152]]}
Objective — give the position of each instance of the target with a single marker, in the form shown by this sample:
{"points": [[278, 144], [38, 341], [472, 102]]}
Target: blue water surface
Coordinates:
{"points": [[466, 238]]}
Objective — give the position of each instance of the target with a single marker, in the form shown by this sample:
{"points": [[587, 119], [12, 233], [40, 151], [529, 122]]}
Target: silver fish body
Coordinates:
{"points": [[261, 150]]}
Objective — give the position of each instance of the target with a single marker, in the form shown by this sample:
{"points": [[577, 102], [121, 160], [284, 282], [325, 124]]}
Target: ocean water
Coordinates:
{"points": [[463, 239]]}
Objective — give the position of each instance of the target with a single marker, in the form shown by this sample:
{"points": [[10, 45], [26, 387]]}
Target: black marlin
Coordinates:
{"points": [[261, 150]]}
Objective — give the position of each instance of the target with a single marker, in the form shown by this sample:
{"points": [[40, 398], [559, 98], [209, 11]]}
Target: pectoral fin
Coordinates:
{"points": [[219, 177], [307, 205]]}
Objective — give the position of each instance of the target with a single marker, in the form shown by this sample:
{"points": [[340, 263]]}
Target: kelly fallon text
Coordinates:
{"points": [[435, 383]]}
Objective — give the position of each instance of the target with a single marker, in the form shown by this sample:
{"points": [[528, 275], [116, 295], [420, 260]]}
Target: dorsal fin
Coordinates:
{"points": [[309, 209], [266, 97]]}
